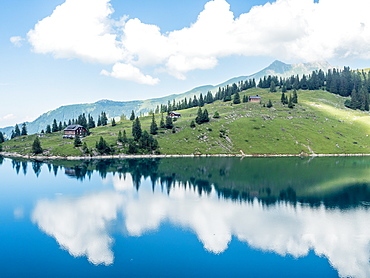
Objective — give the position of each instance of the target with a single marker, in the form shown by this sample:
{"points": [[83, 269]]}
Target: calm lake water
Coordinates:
{"points": [[186, 217]]}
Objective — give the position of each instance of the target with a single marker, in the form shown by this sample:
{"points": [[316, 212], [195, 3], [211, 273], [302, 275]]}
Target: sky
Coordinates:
{"points": [[60, 52]]}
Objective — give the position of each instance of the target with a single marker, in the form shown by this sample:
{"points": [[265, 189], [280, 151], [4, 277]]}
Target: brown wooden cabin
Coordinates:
{"points": [[72, 130], [256, 98]]}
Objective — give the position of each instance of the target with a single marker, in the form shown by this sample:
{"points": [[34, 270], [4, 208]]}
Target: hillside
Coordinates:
{"points": [[117, 108], [318, 124]]}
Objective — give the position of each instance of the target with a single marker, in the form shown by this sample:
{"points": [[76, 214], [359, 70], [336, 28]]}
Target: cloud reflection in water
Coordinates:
{"points": [[81, 225]]}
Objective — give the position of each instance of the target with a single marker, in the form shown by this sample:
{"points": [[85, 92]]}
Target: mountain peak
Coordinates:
{"points": [[279, 67]]}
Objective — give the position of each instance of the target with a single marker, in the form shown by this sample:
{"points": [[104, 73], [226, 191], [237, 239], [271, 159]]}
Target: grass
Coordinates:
{"points": [[319, 124]]}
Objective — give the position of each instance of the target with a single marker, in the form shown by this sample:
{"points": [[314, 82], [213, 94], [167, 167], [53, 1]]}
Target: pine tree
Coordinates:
{"points": [[91, 123], [199, 117], [269, 104], [272, 87], [216, 115], [36, 146], [236, 98], [104, 119], [205, 117], [48, 129], [290, 102], [284, 99], [284, 88], [17, 132], [54, 127], [2, 139], [99, 121], [161, 124], [24, 129], [295, 97], [153, 126], [85, 149], [132, 117], [201, 101], [120, 139], [169, 122], [60, 127], [103, 147], [113, 122], [77, 142], [124, 137], [136, 129], [192, 124]]}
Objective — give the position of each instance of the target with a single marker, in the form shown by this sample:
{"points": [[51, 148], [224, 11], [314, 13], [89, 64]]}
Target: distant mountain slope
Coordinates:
{"points": [[117, 108]]}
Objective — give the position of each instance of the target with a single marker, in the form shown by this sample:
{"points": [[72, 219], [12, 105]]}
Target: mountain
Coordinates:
{"points": [[117, 108]]}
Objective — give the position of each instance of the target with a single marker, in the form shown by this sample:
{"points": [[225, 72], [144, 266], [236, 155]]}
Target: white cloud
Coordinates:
{"points": [[78, 29], [81, 225], [284, 29], [130, 72], [16, 41], [7, 117]]}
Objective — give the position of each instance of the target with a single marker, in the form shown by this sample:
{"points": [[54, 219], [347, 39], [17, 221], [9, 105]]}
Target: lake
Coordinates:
{"points": [[186, 217]]}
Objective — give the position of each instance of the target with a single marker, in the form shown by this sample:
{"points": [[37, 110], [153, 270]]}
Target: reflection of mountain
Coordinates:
{"points": [[83, 225], [337, 182]]}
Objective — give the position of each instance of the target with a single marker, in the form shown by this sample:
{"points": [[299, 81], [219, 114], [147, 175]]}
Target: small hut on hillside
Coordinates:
{"points": [[72, 130]]}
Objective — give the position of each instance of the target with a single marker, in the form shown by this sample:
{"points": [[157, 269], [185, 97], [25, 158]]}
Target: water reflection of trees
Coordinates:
{"points": [[199, 177]]}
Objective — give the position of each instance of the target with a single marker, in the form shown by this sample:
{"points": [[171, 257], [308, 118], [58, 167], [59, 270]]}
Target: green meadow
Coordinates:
{"points": [[318, 124]]}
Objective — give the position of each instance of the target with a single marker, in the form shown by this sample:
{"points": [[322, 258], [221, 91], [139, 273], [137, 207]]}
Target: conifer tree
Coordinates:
{"points": [[113, 122], [104, 119], [169, 122], [199, 117], [136, 129], [153, 126], [77, 142], [269, 104], [272, 87], [284, 88], [103, 147], [17, 131], [48, 129], [24, 129], [91, 123], [132, 117], [162, 124], [216, 115], [236, 98], [124, 137], [192, 124], [205, 117], [120, 139], [295, 97], [54, 127], [36, 146], [290, 102], [2, 139], [201, 101]]}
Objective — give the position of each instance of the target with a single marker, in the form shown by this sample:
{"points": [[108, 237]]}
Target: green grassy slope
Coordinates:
{"points": [[319, 124]]}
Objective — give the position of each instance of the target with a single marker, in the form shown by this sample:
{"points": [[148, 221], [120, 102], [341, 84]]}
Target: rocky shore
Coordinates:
{"points": [[124, 156]]}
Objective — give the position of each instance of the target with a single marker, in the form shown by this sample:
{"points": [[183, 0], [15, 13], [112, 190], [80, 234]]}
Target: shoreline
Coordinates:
{"points": [[125, 156]]}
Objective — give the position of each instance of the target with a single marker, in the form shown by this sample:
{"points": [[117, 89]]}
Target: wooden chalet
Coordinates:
{"points": [[72, 130], [256, 98]]}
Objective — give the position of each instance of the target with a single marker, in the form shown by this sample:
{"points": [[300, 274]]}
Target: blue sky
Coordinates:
{"points": [[59, 52]]}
